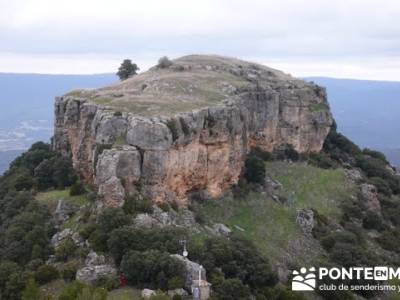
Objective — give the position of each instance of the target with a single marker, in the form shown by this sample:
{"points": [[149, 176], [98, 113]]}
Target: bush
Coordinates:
{"points": [[390, 240], [137, 204], [237, 257], [152, 268], [254, 170], [164, 206], [109, 283], [65, 250], [376, 154], [374, 167], [164, 62], [382, 186], [373, 221], [71, 291], [68, 271], [262, 154], [87, 230], [321, 160], [31, 291], [46, 273], [77, 189], [232, 289], [163, 239]]}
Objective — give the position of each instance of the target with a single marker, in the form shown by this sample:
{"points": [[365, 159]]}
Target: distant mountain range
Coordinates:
{"points": [[27, 102], [365, 111]]}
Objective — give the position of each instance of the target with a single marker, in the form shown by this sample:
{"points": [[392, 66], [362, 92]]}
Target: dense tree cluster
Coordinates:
{"points": [[39, 168]]}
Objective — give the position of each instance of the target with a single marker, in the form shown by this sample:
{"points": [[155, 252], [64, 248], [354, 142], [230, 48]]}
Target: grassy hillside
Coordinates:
{"points": [[272, 225]]}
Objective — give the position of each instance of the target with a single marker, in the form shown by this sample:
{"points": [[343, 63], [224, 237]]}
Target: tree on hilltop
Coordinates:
{"points": [[127, 69]]}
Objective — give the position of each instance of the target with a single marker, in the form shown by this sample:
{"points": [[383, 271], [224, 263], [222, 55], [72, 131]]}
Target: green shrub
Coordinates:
{"points": [[164, 62], [65, 250], [151, 268], [46, 273], [163, 239], [262, 154], [108, 283], [373, 221], [164, 206], [137, 204], [376, 154], [343, 237], [31, 291], [322, 160], [87, 229], [390, 209], [71, 291], [232, 289], [390, 240], [382, 186], [77, 189], [254, 170], [68, 271]]}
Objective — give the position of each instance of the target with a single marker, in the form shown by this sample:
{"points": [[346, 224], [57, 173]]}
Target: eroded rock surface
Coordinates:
{"points": [[186, 128], [95, 268]]}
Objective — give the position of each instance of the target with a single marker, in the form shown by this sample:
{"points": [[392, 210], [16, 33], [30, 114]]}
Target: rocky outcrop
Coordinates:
{"points": [[67, 233], [174, 131], [370, 199], [96, 268], [159, 219]]}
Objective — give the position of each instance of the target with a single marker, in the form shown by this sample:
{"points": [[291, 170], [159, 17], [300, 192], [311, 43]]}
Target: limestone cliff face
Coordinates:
{"points": [[168, 132]]}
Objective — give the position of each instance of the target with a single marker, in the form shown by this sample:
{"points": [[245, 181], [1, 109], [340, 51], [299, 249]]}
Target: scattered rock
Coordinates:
{"points": [[66, 233], [95, 268], [159, 219], [305, 219], [353, 175], [369, 195], [181, 292], [147, 293], [221, 229], [93, 259], [272, 187]]}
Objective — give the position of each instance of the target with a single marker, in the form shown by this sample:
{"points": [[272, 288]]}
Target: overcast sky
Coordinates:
{"points": [[340, 38]]}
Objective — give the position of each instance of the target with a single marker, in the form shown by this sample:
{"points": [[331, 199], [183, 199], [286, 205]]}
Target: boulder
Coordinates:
{"points": [[159, 218], [221, 229], [147, 293], [95, 268], [66, 233], [305, 219], [370, 198], [181, 292]]}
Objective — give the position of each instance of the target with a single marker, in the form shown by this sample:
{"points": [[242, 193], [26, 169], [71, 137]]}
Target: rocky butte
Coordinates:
{"points": [[186, 128]]}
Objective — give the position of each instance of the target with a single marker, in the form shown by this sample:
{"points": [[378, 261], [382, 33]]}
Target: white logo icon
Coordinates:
{"points": [[304, 281]]}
